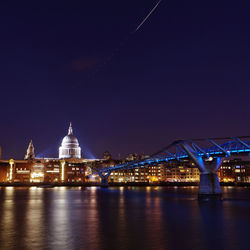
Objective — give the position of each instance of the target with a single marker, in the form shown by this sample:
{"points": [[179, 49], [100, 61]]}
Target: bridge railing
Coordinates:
{"points": [[209, 147]]}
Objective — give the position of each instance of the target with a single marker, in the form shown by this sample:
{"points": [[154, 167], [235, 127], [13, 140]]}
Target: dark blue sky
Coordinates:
{"points": [[185, 73]]}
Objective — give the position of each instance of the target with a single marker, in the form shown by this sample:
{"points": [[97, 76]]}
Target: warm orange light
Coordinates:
{"points": [[154, 178], [62, 170], [11, 162]]}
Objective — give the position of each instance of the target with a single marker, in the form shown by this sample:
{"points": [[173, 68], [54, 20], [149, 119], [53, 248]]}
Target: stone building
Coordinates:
{"points": [[69, 167]]}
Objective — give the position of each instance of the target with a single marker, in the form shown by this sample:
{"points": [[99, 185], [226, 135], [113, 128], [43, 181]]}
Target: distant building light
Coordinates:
{"points": [[53, 171]]}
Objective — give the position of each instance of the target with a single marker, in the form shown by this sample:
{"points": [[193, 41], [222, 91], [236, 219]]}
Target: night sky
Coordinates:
{"points": [[184, 74]]}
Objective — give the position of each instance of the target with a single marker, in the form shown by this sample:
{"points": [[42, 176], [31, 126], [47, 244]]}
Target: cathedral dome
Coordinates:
{"points": [[70, 139], [70, 146]]}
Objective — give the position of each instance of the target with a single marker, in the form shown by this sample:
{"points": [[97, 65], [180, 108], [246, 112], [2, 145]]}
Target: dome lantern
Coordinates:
{"points": [[70, 131]]}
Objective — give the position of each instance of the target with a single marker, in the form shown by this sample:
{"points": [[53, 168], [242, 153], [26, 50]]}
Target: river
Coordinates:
{"points": [[123, 218]]}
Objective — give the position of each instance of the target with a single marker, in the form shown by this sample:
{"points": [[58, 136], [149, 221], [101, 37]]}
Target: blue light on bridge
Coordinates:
{"points": [[218, 151]]}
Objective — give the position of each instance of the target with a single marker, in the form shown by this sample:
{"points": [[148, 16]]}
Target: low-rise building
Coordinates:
{"points": [[70, 167]]}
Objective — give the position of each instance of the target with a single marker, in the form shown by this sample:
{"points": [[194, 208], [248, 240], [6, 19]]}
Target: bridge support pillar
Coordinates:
{"points": [[209, 187], [104, 179]]}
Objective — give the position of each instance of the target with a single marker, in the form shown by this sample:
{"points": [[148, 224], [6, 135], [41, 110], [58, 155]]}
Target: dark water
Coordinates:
{"points": [[122, 218]]}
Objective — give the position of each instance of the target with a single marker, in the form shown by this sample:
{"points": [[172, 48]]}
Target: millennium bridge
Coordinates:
{"points": [[207, 155]]}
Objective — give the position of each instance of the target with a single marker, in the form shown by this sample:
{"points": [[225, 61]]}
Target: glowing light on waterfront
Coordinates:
{"points": [[62, 170], [11, 161]]}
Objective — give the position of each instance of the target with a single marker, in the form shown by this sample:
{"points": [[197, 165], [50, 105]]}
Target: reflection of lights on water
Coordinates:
{"points": [[7, 217], [35, 190], [34, 215], [93, 189]]}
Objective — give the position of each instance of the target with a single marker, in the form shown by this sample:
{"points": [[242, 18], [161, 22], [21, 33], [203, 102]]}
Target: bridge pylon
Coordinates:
{"points": [[209, 187], [104, 179]]}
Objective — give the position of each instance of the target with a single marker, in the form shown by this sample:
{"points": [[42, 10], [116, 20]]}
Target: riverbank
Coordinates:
{"points": [[168, 184]]}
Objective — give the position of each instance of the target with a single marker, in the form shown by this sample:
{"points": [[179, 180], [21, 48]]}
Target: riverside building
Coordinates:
{"points": [[234, 170], [69, 167]]}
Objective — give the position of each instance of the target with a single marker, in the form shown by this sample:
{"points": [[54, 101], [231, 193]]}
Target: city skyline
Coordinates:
{"points": [[124, 124], [183, 74]]}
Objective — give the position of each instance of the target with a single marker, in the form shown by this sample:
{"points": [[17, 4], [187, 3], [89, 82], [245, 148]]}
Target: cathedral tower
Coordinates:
{"points": [[30, 152]]}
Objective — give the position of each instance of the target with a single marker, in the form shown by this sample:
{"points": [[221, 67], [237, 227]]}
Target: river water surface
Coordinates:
{"points": [[122, 218]]}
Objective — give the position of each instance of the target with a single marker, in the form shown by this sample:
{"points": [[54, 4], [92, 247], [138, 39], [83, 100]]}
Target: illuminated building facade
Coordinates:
{"points": [[235, 170], [156, 174], [139, 175], [43, 171], [180, 173], [68, 168]]}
